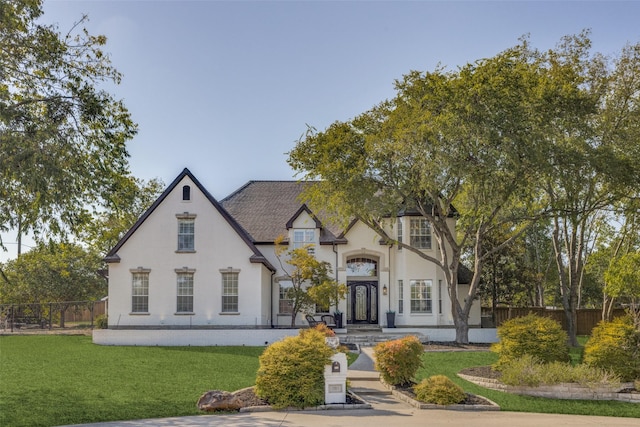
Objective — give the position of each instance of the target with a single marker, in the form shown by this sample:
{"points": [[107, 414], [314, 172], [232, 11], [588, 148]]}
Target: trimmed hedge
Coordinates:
{"points": [[291, 371], [439, 390], [399, 360], [541, 337], [615, 345]]}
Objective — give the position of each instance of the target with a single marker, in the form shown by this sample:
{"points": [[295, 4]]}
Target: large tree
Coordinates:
{"points": [[62, 135], [462, 144]]}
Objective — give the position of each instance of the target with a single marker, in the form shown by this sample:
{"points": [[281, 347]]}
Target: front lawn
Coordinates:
{"points": [[54, 380], [450, 363]]}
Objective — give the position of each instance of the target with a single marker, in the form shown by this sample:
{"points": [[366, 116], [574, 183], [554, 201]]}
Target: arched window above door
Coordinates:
{"points": [[363, 267]]}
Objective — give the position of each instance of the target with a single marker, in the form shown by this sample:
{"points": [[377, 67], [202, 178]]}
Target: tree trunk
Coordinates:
{"points": [[462, 328]]}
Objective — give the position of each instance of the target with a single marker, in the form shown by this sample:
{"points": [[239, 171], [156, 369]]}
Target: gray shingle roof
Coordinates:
{"points": [[263, 208]]}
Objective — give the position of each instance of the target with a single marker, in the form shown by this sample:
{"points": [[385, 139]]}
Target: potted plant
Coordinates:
{"points": [[391, 319]]}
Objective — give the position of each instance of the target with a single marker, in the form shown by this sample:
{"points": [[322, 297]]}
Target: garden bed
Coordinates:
{"points": [[472, 402], [252, 403]]}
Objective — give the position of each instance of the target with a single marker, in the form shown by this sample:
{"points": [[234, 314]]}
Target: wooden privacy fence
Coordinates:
{"points": [[49, 315], [588, 318]]}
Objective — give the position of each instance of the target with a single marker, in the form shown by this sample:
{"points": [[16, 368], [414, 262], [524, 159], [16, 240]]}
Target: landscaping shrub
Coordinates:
{"points": [[528, 371], [399, 360], [101, 322], [540, 337], [291, 371], [440, 390], [615, 345]]}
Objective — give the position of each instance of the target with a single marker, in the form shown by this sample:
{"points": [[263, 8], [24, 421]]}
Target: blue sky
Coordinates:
{"points": [[226, 88]]}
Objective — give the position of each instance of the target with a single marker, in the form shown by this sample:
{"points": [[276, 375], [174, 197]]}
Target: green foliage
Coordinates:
{"points": [[540, 337], [63, 139], [623, 282], [528, 371], [440, 390], [291, 371], [311, 281], [399, 360], [101, 321], [615, 345], [53, 273]]}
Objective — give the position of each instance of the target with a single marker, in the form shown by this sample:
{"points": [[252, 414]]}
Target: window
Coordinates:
{"points": [[303, 237], [140, 291], [439, 296], [365, 267], [399, 222], [185, 292], [400, 297], [230, 292], [421, 296], [286, 303], [186, 235], [420, 233], [186, 193]]}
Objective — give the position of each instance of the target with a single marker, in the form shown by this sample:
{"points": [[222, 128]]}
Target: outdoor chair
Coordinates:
{"points": [[313, 322], [329, 320]]}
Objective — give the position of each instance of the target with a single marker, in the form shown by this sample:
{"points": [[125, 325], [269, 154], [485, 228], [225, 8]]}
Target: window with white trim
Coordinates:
{"points": [[400, 296], [140, 291], [399, 236], [420, 233], [439, 296], [184, 303], [421, 301], [303, 237], [229, 292], [285, 305]]}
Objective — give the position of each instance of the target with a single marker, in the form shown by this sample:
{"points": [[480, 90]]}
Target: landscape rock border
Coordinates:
{"points": [[488, 406]]}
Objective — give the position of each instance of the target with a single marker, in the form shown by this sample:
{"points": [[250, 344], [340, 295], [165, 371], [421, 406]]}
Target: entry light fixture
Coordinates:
{"points": [[384, 290]]}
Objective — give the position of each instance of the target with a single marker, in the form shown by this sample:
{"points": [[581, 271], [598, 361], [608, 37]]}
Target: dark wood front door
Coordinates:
{"points": [[363, 302]]}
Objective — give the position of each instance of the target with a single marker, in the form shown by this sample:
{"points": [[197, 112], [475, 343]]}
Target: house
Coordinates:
{"points": [[193, 268]]}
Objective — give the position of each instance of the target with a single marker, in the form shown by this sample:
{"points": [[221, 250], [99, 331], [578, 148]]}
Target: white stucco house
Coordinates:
{"points": [[197, 271]]}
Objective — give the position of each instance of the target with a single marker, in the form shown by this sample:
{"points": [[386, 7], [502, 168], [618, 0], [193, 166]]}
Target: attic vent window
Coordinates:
{"points": [[186, 193]]}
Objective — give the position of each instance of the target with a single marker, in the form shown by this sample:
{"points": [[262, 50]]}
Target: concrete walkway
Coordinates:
{"points": [[386, 411]]}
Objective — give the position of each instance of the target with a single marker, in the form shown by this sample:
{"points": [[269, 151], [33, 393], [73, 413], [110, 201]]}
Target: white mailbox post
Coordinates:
{"points": [[335, 379]]}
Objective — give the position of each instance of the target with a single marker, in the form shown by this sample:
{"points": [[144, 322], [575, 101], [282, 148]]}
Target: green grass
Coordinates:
{"points": [[450, 363], [53, 380]]}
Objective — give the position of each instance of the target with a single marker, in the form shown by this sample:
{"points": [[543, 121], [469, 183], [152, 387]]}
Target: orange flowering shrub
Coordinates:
{"points": [[399, 360]]}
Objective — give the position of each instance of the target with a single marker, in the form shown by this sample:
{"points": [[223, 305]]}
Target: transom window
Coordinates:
{"points": [[362, 267], [140, 292], [230, 292], [421, 301], [420, 233], [185, 292]]}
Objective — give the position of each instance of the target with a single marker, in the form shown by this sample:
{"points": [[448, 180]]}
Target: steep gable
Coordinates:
{"points": [[257, 256]]}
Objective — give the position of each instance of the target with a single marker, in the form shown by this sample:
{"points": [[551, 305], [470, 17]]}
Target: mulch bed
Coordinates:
{"points": [[470, 399], [249, 398], [482, 372]]}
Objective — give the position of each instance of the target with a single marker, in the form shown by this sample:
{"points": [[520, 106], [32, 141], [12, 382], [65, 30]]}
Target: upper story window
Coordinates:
{"points": [[186, 232], [362, 267], [399, 237], [303, 237], [420, 233], [186, 193]]}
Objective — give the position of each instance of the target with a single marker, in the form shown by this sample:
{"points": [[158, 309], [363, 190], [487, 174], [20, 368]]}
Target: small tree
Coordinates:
{"points": [[623, 282], [311, 281]]}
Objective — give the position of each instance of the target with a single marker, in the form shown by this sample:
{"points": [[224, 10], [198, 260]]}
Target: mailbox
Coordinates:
{"points": [[335, 379]]}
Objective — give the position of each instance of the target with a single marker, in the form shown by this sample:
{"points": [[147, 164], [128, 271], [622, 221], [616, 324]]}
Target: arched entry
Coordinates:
{"points": [[362, 295]]}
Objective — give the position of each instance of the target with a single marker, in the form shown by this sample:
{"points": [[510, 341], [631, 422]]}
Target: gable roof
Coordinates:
{"points": [[257, 256], [265, 209]]}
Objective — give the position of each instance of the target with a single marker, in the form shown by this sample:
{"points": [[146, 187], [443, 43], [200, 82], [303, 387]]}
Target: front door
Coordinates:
{"points": [[363, 302]]}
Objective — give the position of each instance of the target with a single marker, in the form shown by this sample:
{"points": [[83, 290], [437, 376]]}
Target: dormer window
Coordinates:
{"points": [[186, 193], [303, 237]]}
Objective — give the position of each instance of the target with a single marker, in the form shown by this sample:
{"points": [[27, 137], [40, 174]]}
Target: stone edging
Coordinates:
{"points": [[492, 406], [333, 406], [560, 391]]}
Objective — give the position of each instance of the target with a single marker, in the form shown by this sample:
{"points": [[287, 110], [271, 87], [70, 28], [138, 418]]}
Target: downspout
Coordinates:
{"points": [[389, 294], [335, 251], [271, 300]]}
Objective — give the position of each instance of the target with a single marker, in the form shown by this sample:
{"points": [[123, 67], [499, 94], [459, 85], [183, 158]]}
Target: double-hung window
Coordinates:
{"points": [[303, 237], [229, 292], [420, 233], [285, 302], [421, 300], [400, 296], [140, 291], [186, 232], [399, 227], [184, 303]]}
